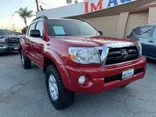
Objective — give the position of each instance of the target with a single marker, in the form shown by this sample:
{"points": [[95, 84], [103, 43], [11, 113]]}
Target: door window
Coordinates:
{"points": [[32, 27], [154, 34], [40, 27]]}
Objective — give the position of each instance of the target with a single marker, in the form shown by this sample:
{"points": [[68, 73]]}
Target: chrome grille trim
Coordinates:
{"points": [[104, 55], [105, 51]]}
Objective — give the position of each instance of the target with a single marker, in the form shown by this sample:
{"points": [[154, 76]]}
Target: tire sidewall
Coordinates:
{"points": [[22, 62], [26, 63], [66, 97], [48, 73]]}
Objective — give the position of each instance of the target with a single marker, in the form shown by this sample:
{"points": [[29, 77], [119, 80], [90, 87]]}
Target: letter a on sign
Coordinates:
{"points": [[112, 2], [123, 1]]}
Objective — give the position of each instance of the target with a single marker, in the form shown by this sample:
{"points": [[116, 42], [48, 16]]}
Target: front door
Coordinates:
{"points": [[28, 42], [146, 46], [38, 45]]}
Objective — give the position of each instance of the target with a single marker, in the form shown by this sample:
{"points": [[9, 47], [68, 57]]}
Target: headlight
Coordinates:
{"points": [[140, 48], [84, 55]]}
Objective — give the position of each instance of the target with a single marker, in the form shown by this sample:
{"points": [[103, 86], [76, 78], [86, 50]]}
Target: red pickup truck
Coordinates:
{"points": [[76, 58]]}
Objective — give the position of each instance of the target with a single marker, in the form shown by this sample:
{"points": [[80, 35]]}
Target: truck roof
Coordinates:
{"points": [[46, 18]]}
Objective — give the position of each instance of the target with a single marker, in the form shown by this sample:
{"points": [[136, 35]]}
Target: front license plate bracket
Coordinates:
{"points": [[127, 74]]}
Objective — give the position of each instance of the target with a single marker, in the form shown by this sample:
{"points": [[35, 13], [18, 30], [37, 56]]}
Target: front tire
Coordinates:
{"points": [[59, 96], [26, 63]]}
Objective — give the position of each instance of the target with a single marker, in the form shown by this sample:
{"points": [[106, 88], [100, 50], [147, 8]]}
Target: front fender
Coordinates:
{"points": [[22, 45], [56, 59]]}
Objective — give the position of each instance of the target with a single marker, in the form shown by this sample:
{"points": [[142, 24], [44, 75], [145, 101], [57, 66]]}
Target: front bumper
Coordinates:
{"points": [[8, 48], [97, 77]]}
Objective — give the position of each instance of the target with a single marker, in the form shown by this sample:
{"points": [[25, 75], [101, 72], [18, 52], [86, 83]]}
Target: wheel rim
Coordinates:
{"points": [[22, 59], [53, 88]]}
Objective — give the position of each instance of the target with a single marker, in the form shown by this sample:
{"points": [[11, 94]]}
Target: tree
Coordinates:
{"points": [[24, 13], [24, 30]]}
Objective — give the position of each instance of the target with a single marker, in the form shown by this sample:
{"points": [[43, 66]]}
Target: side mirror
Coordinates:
{"points": [[35, 33], [100, 32]]}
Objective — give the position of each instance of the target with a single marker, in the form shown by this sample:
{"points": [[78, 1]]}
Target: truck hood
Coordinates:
{"points": [[89, 41]]}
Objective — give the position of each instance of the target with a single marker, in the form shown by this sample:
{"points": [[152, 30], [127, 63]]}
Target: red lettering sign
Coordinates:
{"points": [[86, 6], [93, 7], [98, 7]]}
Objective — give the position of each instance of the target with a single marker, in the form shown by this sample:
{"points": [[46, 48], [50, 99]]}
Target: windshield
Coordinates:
{"points": [[70, 28], [4, 32], [143, 31]]}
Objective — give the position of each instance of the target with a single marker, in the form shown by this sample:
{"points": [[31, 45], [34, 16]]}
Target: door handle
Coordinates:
{"points": [[150, 41]]}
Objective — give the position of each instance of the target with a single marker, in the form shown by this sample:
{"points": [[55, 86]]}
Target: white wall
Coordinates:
{"points": [[107, 25], [152, 15], [79, 8]]}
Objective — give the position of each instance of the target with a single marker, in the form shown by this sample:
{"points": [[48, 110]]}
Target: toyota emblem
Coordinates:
{"points": [[124, 54]]}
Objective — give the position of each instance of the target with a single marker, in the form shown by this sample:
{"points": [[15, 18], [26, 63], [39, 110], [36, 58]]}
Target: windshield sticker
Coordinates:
{"points": [[59, 30]]}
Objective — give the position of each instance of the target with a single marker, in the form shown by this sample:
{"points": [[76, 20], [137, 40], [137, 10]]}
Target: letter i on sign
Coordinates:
{"points": [[86, 6]]}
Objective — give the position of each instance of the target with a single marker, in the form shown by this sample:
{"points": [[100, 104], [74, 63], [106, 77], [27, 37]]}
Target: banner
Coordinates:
{"points": [[94, 5], [81, 8]]}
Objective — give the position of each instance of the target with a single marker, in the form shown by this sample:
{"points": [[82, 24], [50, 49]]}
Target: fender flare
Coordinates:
{"points": [[56, 59], [21, 44]]}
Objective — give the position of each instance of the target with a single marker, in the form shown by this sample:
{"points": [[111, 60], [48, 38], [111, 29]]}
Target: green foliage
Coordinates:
{"points": [[24, 13], [24, 30]]}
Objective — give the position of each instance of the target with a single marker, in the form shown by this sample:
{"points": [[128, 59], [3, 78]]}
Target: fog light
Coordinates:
{"points": [[82, 80]]}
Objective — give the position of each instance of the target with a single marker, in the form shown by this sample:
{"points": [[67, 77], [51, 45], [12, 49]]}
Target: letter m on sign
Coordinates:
{"points": [[97, 7]]}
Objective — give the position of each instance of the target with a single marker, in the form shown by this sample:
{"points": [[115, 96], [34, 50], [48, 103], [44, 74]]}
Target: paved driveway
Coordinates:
{"points": [[23, 94]]}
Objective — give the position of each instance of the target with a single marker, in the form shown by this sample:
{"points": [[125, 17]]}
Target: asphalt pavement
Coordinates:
{"points": [[23, 94]]}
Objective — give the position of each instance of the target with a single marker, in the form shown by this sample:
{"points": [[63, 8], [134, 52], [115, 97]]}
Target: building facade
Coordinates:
{"points": [[114, 18]]}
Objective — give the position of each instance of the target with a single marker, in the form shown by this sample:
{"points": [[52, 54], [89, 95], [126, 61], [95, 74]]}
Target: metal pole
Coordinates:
{"points": [[37, 5]]}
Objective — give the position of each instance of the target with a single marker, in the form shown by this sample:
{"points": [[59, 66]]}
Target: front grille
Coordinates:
{"points": [[112, 78], [12, 40], [2, 45], [115, 55], [12, 44], [119, 77]]}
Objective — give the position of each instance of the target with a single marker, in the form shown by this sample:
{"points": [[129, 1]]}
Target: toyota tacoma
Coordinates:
{"points": [[76, 58]]}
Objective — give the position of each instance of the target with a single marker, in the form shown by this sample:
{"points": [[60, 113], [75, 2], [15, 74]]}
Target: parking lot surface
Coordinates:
{"points": [[23, 94]]}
